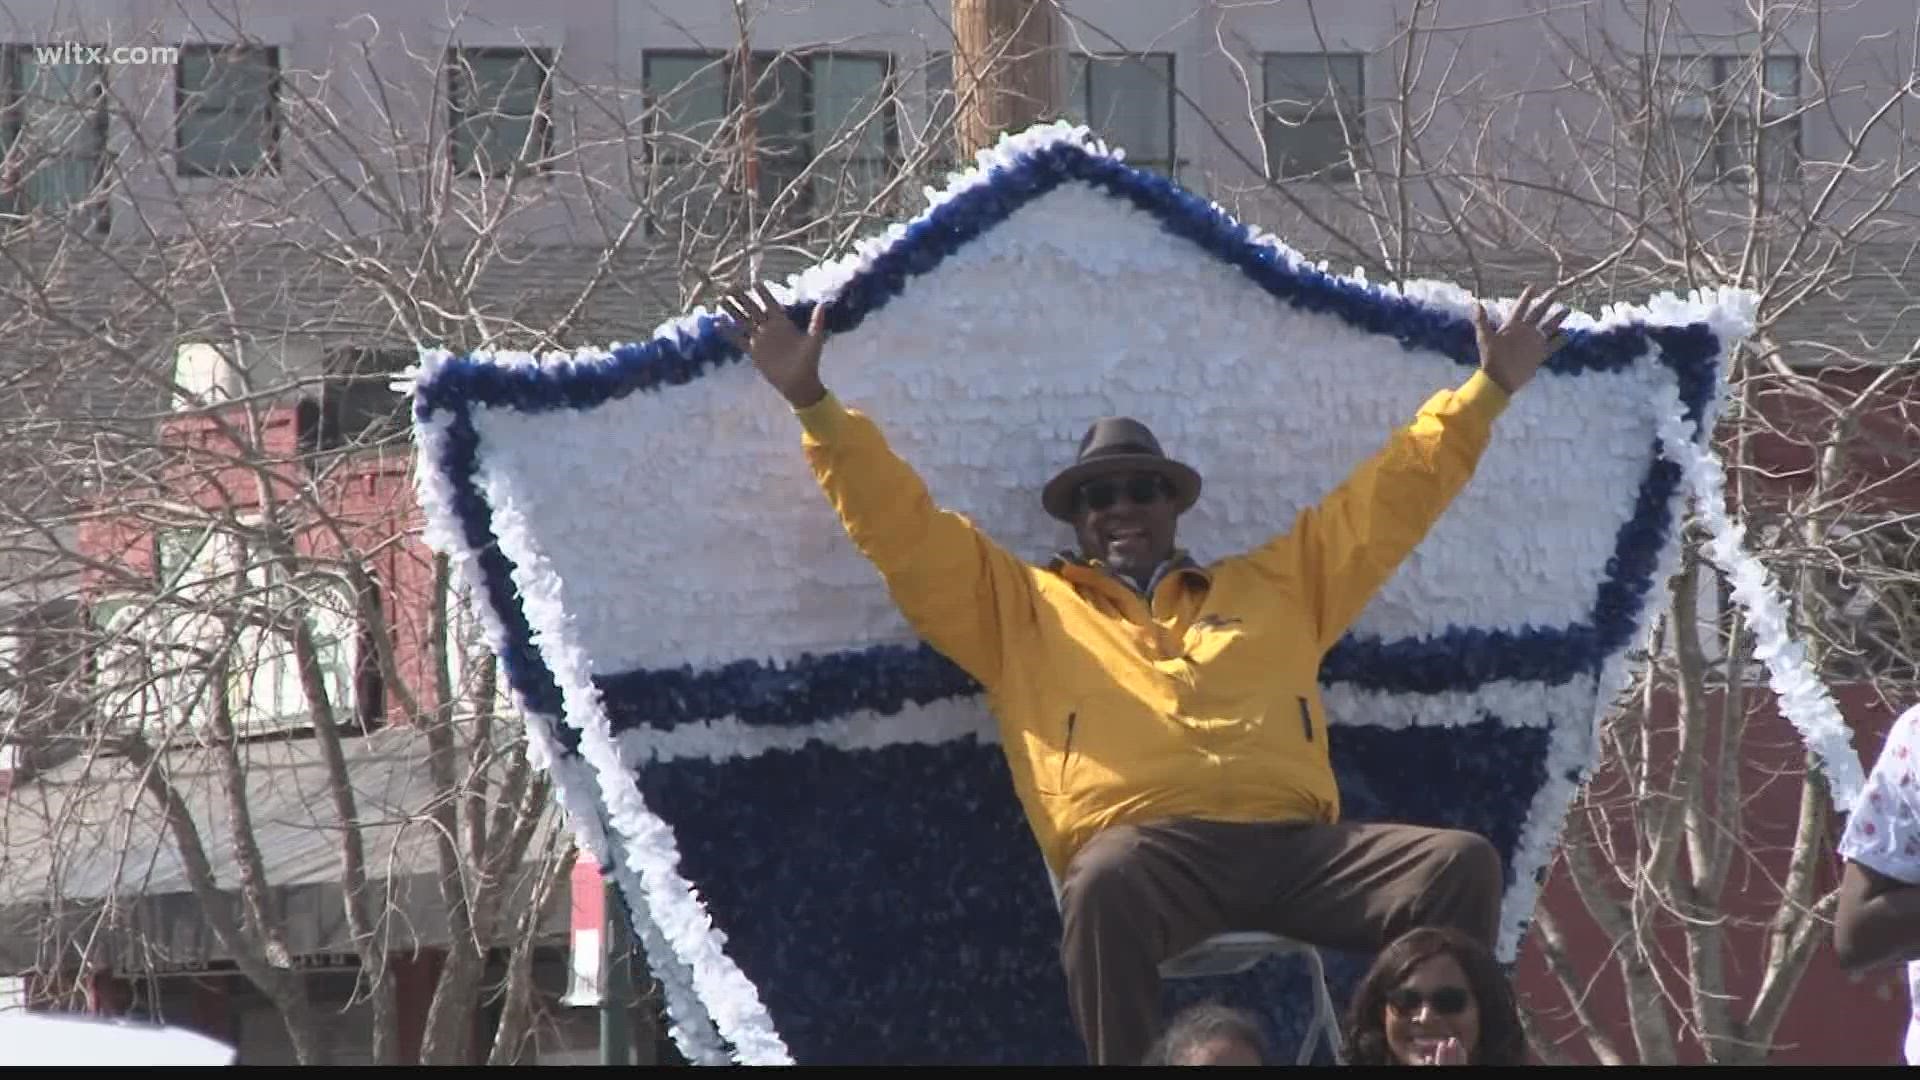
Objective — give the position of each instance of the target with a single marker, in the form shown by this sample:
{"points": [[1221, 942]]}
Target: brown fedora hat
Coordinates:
{"points": [[1118, 444]]}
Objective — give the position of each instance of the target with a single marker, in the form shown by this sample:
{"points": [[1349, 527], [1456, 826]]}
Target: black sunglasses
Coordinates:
{"points": [[1142, 489], [1446, 1001]]}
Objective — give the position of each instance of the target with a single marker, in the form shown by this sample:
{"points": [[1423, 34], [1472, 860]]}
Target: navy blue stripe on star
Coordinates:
{"points": [[915, 923], [1459, 659]]}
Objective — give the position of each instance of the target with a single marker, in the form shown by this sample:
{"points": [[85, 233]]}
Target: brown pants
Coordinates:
{"points": [[1136, 895]]}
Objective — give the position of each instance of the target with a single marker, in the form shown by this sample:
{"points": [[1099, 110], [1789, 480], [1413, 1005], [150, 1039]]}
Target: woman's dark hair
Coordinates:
{"points": [[1501, 1041], [1198, 1025]]}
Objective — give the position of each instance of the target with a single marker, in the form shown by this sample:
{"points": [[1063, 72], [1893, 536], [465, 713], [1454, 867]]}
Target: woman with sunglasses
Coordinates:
{"points": [[1434, 996]]}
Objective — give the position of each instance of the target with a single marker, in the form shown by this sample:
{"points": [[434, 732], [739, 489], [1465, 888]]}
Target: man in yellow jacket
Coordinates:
{"points": [[1162, 718]]}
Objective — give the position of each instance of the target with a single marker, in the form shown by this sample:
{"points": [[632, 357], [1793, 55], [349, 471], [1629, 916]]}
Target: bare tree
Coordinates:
{"points": [[213, 489], [188, 548], [1640, 152]]}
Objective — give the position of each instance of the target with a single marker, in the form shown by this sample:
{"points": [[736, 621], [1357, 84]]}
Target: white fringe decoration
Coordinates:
{"points": [[1084, 234], [574, 784], [649, 849], [1804, 698]]}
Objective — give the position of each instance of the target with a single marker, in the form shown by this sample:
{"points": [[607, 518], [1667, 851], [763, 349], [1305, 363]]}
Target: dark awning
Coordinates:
{"points": [[84, 846]]}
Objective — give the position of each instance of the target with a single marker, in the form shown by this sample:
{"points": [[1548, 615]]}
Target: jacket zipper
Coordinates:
{"points": [[1306, 719], [1067, 751]]}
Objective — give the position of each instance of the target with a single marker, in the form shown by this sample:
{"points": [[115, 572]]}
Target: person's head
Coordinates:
{"points": [[1430, 985], [1122, 495], [1210, 1034]]}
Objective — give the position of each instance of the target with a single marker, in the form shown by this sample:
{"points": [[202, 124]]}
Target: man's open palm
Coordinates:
{"points": [[1513, 352], [787, 358]]}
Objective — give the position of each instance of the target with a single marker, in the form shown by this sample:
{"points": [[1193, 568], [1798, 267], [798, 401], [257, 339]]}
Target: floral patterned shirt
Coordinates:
{"points": [[1883, 834]]}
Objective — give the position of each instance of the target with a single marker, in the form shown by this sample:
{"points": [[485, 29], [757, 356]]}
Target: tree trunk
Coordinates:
{"points": [[249, 947], [1005, 73], [448, 1039], [514, 1037], [354, 884]]}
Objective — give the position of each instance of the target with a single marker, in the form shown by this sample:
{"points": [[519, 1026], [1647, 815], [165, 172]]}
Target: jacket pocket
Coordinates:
{"points": [[1103, 746], [1052, 744], [1066, 751], [1306, 719]]}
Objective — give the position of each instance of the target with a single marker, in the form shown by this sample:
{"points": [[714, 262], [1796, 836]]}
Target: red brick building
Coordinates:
{"points": [[352, 521], [1833, 1017]]}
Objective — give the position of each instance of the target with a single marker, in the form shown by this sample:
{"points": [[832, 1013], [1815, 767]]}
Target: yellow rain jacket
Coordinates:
{"points": [[1204, 703]]}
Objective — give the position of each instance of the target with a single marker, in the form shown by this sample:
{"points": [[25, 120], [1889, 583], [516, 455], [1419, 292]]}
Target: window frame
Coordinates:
{"points": [[258, 649], [268, 161], [887, 160], [1083, 107], [466, 643], [1723, 115], [457, 67], [335, 417], [805, 199], [1864, 617], [1353, 137], [1852, 662], [14, 202], [940, 105], [237, 620], [123, 652]]}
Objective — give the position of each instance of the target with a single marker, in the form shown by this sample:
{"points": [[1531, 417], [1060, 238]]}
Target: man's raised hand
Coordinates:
{"points": [[788, 359], [1512, 353]]}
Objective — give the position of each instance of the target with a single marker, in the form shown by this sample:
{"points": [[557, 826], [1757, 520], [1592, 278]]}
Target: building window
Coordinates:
{"points": [[131, 673], [267, 693], [229, 112], [356, 406], [1709, 105], [53, 131], [1313, 118], [781, 147], [938, 137], [500, 101], [1128, 100], [471, 664], [689, 166], [849, 124], [688, 98], [203, 376], [823, 129], [194, 564], [156, 666]]}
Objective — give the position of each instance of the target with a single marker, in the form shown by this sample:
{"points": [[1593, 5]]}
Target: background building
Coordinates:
{"points": [[230, 226]]}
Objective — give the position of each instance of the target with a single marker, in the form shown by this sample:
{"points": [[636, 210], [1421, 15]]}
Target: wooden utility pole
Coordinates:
{"points": [[1005, 68]]}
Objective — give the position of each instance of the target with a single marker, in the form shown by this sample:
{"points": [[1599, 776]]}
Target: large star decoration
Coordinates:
{"points": [[806, 807]]}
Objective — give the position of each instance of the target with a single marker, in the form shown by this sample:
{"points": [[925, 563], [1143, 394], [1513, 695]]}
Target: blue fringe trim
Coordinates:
{"points": [[680, 358], [882, 678], [526, 672]]}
